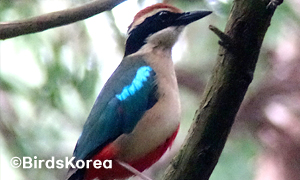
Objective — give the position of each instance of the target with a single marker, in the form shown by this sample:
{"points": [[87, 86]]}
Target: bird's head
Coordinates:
{"points": [[159, 25]]}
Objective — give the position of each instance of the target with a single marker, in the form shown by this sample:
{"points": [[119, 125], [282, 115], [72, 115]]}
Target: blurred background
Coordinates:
{"points": [[50, 80]]}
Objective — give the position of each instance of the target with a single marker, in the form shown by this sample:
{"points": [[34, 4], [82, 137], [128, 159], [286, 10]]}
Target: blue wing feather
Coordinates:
{"points": [[131, 88]]}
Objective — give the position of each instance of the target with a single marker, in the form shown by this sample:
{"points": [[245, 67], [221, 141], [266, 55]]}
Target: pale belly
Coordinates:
{"points": [[155, 127]]}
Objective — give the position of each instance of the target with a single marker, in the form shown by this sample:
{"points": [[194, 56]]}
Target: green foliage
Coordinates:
{"points": [[42, 114], [237, 160]]}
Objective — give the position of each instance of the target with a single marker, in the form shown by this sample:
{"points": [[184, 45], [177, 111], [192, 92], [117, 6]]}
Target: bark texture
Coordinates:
{"points": [[237, 57]]}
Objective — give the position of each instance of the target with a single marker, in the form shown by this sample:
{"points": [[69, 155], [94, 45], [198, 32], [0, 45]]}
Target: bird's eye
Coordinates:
{"points": [[164, 15]]}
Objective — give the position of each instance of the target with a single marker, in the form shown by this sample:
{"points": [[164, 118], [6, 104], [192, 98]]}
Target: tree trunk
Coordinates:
{"points": [[237, 57]]}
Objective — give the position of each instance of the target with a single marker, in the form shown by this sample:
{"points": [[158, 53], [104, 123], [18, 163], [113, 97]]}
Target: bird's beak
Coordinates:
{"points": [[189, 17]]}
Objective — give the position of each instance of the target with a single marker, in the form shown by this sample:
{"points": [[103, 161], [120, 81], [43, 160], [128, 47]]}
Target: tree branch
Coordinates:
{"points": [[54, 19], [238, 54]]}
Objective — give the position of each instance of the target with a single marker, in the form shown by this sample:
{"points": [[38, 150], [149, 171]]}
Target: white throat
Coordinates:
{"points": [[165, 38]]}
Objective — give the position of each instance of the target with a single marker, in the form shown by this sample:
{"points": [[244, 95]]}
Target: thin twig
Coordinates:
{"points": [[225, 40], [133, 170], [54, 19]]}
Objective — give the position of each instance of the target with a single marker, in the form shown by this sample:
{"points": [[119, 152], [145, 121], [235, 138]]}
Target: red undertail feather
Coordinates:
{"points": [[118, 171]]}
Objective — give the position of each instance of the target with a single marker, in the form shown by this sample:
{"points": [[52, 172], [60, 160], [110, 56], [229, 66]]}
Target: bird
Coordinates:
{"points": [[136, 116]]}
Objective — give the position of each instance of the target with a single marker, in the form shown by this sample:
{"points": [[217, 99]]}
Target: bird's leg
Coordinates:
{"points": [[133, 170]]}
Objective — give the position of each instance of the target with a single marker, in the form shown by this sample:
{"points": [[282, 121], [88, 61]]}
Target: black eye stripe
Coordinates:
{"points": [[138, 35]]}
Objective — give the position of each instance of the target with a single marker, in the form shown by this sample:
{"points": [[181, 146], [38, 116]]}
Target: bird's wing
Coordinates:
{"points": [[126, 96]]}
